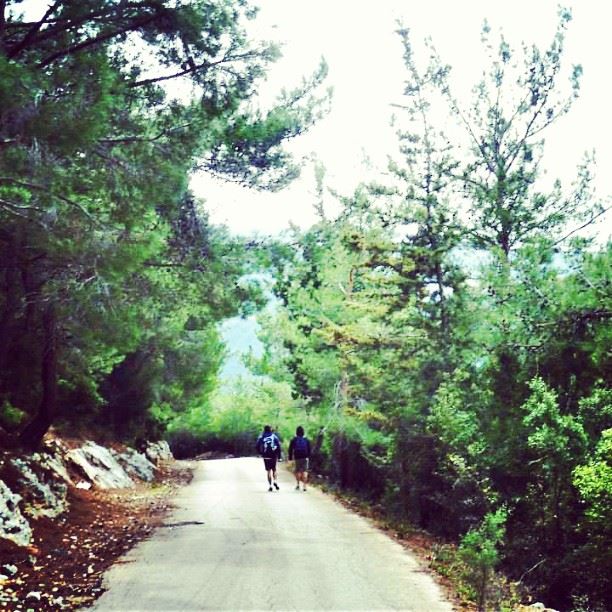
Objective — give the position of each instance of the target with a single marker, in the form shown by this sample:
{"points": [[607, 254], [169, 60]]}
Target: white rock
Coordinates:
{"points": [[54, 463], [100, 466], [43, 496], [136, 464], [158, 451], [13, 525]]}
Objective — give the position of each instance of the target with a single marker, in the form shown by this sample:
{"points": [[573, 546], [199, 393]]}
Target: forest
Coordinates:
{"points": [[445, 338]]}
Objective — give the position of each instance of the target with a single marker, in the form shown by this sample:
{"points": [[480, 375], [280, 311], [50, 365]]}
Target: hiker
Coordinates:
{"points": [[299, 448], [269, 447]]}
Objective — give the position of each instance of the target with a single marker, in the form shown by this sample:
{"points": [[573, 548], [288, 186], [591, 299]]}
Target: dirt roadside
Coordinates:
{"points": [[63, 568]]}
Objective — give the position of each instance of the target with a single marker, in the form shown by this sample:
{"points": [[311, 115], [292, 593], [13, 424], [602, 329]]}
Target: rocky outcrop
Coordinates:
{"points": [[158, 452], [13, 525], [136, 464], [36, 485], [53, 460], [100, 466], [43, 495]]}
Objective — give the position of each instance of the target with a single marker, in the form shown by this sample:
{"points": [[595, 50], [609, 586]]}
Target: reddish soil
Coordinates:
{"points": [[62, 569]]}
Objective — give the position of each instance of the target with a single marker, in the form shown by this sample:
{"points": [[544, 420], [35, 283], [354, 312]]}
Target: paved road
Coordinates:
{"points": [[235, 546]]}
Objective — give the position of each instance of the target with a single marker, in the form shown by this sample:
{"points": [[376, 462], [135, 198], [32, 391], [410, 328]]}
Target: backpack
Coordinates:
{"points": [[269, 446], [300, 447]]}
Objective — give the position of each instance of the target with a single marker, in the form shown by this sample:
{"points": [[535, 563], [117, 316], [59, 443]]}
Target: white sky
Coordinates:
{"points": [[366, 70]]}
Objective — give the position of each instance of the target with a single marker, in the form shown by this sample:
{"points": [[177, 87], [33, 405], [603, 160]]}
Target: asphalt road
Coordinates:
{"points": [[232, 545]]}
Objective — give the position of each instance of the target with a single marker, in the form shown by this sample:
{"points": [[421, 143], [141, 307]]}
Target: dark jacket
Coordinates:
{"points": [[299, 447]]}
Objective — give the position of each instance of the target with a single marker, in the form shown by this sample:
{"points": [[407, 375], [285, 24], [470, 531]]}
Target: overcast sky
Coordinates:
{"points": [[364, 55]]}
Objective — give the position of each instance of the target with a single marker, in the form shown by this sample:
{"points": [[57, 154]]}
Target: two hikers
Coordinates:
{"points": [[269, 447]]}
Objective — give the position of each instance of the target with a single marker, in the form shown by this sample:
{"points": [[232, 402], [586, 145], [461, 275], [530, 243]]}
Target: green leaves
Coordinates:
{"points": [[452, 332], [557, 439], [453, 420], [479, 550], [248, 147], [95, 156], [594, 481]]}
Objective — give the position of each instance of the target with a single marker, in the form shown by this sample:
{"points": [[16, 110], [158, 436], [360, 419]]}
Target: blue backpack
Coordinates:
{"points": [[300, 447], [269, 445]]}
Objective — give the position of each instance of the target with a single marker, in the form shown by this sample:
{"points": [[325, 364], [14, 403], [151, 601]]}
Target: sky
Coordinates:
{"points": [[357, 39]]}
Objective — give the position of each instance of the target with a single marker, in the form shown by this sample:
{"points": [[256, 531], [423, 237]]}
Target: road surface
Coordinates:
{"points": [[232, 545]]}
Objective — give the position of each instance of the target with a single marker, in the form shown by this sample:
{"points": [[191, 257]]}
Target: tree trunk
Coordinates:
{"points": [[34, 431], [7, 316], [10, 288], [2, 24]]}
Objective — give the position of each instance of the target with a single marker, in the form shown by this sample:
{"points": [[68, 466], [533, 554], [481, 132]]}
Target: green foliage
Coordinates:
{"points": [[97, 227], [556, 439], [447, 335], [453, 421], [594, 481], [596, 412], [450, 329], [231, 418], [254, 140], [479, 547], [10, 416], [591, 560], [479, 550]]}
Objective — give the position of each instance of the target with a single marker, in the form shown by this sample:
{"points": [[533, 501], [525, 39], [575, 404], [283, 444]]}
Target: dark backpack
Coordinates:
{"points": [[300, 447], [269, 446]]}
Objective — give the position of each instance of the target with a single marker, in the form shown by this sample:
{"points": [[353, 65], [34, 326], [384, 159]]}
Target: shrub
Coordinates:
{"points": [[11, 417], [479, 551]]}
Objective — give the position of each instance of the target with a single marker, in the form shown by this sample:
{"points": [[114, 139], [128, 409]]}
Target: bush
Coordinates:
{"points": [[184, 444], [11, 418], [479, 551]]}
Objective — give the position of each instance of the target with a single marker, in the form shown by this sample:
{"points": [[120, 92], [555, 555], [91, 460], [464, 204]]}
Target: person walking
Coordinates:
{"points": [[269, 447], [299, 448]]}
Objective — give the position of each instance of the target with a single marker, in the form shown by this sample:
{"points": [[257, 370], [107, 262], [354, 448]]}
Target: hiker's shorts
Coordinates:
{"points": [[301, 465], [269, 463]]}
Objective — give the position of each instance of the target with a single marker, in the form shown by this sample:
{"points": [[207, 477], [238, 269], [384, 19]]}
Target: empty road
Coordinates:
{"points": [[232, 545]]}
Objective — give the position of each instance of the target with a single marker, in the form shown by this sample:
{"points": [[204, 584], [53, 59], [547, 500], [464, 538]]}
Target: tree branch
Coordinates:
{"points": [[136, 24], [127, 139], [193, 68], [103, 17], [591, 220], [4, 179], [14, 210], [29, 37]]}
